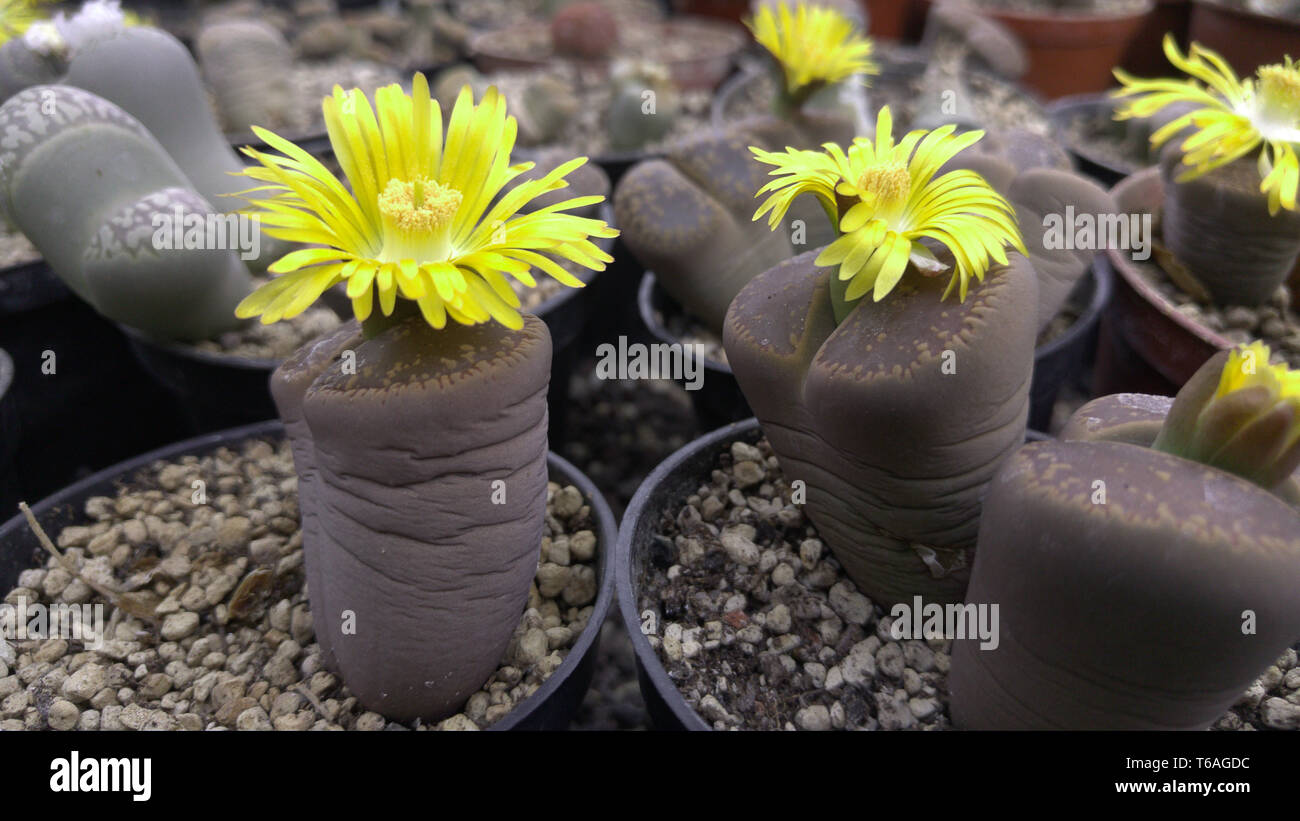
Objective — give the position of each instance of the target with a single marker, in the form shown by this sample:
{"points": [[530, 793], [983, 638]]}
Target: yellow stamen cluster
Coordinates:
{"points": [[885, 198]]}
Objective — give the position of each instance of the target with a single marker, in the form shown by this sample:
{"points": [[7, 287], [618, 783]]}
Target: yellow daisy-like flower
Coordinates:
{"points": [[16, 16], [885, 199], [424, 218], [815, 45], [1233, 117], [1248, 367]]}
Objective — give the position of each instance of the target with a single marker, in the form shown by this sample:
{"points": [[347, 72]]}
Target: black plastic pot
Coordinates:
{"points": [[1068, 358], [718, 399], [1106, 170], [1065, 360], [676, 478], [97, 407], [8, 435], [554, 704]]}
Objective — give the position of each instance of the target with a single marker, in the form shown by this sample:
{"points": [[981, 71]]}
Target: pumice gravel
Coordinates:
{"points": [[211, 628], [760, 628]]}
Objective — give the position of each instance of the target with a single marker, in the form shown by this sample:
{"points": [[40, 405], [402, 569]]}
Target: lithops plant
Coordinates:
{"points": [[813, 47], [246, 64], [150, 74], [1229, 222], [27, 57], [891, 402], [92, 189], [419, 431], [643, 105], [1144, 565], [687, 218]]}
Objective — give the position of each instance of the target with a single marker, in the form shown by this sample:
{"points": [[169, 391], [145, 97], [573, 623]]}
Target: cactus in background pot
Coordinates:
{"points": [[92, 189], [895, 410], [1230, 221], [420, 434], [246, 64], [1145, 564], [643, 105]]}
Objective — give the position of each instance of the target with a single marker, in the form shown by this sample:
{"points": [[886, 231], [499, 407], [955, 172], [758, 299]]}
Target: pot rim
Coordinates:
{"points": [[1058, 114], [1247, 14], [645, 299], [1120, 264], [56, 503], [1040, 17], [647, 659]]}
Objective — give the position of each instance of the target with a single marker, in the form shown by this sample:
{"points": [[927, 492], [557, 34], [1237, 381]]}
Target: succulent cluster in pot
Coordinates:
{"points": [[119, 140], [890, 369], [419, 430], [1230, 172], [1145, 562]]}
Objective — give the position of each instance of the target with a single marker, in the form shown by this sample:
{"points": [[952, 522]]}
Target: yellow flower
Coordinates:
{"points": [[1233, 117], [1248, 367], [885, 199], [16, 16], [815, 45], [422, 218]]}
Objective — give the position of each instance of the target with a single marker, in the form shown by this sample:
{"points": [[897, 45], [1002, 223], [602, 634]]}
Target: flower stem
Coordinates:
{"points": [[375, 324], [841, 307]]}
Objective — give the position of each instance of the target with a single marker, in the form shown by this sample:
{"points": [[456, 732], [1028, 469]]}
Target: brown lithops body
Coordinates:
{"points": [[425, 528], [876, 415], [1144, 566]]}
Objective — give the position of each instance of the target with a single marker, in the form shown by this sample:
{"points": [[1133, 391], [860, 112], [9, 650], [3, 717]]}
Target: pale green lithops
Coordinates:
{"points": [[246, 64], [105, 204], [149, 74]]}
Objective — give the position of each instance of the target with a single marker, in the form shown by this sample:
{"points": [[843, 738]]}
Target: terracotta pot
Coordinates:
{"points": [[1169, 342], [1072, 54], [901, 20], [1145, 55], [1245, 39]]}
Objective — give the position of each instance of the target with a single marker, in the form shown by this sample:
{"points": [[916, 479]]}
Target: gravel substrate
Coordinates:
{"points": [[1276, 322], [587, 133], [760, 629], [1098, 137], [207, 622], [253, 340]]}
